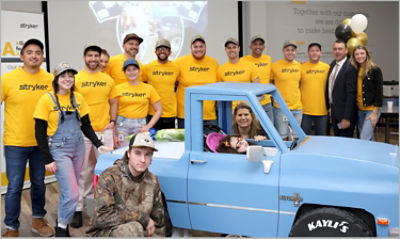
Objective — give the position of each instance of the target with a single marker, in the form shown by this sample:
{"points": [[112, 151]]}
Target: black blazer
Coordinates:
{"points": [[344, 93], [372, 88]]}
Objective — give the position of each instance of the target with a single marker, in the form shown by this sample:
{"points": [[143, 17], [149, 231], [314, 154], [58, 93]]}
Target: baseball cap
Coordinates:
{"points": [[163, 42], [63, 67], [91, 46], [133, 36], [231, 40], [314, 44], [32, 41], [257, 37], [142, 140], [131, 62], [289, 43], [198, 38]]}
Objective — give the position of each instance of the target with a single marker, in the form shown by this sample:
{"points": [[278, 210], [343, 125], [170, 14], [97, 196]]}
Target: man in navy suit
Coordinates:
{"points": [[341, 91]]}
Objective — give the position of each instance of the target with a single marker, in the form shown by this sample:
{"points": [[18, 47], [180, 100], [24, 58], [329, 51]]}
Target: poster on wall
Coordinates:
{"points": [[16, 28]]}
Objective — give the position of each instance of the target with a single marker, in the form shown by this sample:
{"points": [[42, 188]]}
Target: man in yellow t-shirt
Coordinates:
{"points": [[100, 93], [131, 49], [312, 86], [20, 91], [196, 69], [263, 64], [162, 74], [286, 74]]}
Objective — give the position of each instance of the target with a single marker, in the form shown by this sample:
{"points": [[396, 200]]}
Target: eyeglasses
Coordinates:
{"points": [[162, 48]]}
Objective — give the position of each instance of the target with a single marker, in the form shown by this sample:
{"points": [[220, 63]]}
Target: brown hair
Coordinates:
{"points": [[369, 64], [254, 127], [104, 52], [224, 145]]}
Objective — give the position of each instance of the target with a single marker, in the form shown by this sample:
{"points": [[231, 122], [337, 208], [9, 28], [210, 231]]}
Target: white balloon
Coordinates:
{"points": [[358, 23]]}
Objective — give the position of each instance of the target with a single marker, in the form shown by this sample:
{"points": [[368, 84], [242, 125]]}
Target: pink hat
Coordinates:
{"points": [[213, 140]]}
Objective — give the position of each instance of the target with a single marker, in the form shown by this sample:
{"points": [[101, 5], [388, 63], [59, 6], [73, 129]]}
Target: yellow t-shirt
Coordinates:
{"points": [[242, 71], [263, 64], [312, 87], [134, 100], [46, 109], [115, 68], [97, 89], [196, 72], [359, 93], [21, 91], [163, 78], [287, 78]]}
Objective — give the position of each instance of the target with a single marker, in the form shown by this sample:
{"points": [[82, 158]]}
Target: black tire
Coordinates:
{"points": [[329, 222]]}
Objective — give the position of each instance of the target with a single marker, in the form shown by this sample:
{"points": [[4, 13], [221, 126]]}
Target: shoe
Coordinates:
{"points": [[61, 232], [10, 233], [76, 220], [41, 227]]}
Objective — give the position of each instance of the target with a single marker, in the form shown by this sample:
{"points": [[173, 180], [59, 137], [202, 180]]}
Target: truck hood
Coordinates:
{"points": [[354, 149]]}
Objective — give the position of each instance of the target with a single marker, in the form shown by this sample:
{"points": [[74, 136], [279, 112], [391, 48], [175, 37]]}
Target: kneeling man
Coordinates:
{"points": [[128, 199]]}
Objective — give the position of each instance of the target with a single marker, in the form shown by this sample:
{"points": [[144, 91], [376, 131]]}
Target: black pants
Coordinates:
{"points": [[349, 132], [163, 123]]}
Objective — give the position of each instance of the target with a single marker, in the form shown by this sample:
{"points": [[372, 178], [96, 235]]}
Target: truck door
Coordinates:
{"points": [[228, 194]]}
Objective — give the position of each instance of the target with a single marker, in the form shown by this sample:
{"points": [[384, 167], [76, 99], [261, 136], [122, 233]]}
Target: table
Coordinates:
{"points": [[388, 116]]}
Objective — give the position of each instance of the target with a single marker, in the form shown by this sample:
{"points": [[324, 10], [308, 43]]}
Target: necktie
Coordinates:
{"points": [[332, 79]]}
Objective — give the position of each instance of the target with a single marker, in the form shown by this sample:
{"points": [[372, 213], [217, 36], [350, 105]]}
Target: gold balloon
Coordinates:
{"points": [[347, 21], [363, 37], [352, 43]]}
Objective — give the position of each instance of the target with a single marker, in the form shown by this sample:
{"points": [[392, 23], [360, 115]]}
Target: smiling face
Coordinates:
{"points": [[104, 59], [238, 144], [243, 118], [314, 54], [132, 72], [232, 51], [198, 49], [360, 55], [139, 160], [257, 47], [65, 81], [32, 56], [163, 53], [289, 53], [92, 60], [339, 51], [131, 48]]}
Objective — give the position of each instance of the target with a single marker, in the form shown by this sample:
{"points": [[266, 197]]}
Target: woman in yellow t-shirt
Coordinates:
{"points": [[60, 118], [369, 91], [133, 104]]}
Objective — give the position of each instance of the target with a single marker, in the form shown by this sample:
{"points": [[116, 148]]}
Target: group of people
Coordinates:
{"points": [[62, 122]]}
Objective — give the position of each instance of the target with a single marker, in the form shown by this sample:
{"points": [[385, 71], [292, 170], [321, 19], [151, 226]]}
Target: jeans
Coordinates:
{"points": [[126, 127], [320, 124], [86, 188], [269, 110], [282, 124], [364, 126], [16, 159]]}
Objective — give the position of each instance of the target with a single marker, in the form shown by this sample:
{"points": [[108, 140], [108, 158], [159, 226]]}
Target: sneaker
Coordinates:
{"points": [[76, 220], [61, 232], [10, 233], [41, 227]]}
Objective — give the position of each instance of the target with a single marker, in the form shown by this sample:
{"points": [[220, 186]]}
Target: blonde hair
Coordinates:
{"points": [[369, 64]]}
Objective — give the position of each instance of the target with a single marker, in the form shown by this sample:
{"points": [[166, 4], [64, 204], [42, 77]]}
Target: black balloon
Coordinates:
{"points": [[343, 32]]}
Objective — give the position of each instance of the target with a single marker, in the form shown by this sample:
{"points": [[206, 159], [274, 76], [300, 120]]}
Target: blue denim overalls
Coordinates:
{"points": [[68, 150]]}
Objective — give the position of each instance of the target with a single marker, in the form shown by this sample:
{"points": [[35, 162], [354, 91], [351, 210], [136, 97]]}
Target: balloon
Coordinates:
{"points": [[347, 21], [359, 23], [352, 43], [363, 37], [343, 32]]}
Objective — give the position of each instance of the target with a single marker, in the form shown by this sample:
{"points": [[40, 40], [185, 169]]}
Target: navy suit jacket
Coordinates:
{"points": [[344, 93]]}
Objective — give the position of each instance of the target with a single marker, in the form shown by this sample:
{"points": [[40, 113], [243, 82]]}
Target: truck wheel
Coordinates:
{"points": [[332, 222]]}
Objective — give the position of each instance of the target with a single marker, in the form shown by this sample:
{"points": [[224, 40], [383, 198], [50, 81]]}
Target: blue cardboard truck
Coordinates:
{"points": [[313, 186]]}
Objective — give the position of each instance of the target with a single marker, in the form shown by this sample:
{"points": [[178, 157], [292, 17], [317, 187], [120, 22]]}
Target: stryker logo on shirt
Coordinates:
{"points": [[33, 87], [289, 70], [66, 108], [163, 73], [93, 84], [234, 73], [199, 69], [261, 64], [315, 71], [130, 94]]}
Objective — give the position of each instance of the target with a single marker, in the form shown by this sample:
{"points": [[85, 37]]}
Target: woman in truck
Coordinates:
{"points": [[246, 124]]}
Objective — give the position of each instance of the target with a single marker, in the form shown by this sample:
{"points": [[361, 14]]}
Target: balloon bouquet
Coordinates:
{"points": [[352, 31]]}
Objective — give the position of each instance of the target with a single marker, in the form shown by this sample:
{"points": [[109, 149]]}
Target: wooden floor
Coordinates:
{"points": [[52, 194]]}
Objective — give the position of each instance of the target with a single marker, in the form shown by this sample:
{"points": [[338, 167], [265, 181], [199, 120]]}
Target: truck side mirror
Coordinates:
{"points": [[255, 153]]}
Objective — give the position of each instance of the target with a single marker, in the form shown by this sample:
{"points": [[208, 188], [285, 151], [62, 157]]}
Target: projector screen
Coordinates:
{"points": [[73, 24]]}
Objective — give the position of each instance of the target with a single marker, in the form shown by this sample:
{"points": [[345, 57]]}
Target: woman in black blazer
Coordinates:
{"points": [[369, 91]]}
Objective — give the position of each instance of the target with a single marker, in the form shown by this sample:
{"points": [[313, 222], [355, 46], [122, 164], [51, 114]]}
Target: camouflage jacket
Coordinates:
{"points": [[121, 198]]}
